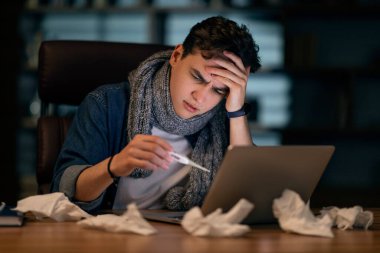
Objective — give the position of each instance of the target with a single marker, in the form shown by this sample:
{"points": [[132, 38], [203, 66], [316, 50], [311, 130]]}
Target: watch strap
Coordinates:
{"points": [[241, 112]]}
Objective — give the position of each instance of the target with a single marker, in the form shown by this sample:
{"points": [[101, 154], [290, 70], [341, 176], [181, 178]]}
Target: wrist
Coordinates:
{"points": [[244, 110], [110, 172]]}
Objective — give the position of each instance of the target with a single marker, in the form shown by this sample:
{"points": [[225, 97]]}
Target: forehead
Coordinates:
{"points": [[210, 54], [199, 59], [197, 62]]}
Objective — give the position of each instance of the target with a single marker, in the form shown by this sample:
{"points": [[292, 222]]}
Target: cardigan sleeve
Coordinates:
{"points": [[90, 140]]}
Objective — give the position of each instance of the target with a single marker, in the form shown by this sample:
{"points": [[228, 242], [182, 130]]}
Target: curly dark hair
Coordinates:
{"points": [[215, 34]]}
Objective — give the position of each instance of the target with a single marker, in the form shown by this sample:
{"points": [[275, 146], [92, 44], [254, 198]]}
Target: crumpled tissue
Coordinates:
{"points": [[130, 221], [349, 218], [53, 205], [294, 216], [217, 224]]}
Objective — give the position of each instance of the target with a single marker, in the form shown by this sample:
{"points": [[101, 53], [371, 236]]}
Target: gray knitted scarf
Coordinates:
{"points": [[150, 105]]}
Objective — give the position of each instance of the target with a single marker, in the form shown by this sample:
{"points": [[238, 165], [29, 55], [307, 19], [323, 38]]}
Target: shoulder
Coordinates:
{"points": [[109, 93], [109, 90]]}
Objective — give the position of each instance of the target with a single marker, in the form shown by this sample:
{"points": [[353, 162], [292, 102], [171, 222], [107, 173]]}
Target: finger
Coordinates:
{"points": [[227, 75], [146, 158], [235, 59], [155, 139], [232, 85], [154, 144], [237, 68], [153, 158], [237, 90], [152, 147], [226, 66]]}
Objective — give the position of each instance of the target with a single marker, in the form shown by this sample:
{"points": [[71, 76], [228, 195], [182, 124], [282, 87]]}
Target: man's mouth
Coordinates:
{"points": [[189, 107]]}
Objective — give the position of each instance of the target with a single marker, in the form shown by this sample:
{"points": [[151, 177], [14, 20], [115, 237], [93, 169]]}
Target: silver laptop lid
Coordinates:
{"points": [[260, 174]]}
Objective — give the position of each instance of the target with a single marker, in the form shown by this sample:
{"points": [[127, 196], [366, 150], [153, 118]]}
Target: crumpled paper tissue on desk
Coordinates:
{"points": [[295, 216], [349, 218], [217, 224], [129, 221], [53, 205]]}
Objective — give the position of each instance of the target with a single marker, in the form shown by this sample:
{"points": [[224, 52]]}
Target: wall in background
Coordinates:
{"points": [[319, 83]]}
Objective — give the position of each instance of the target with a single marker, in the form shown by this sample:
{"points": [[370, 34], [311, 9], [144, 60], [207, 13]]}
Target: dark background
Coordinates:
{"points": [[332, 54]]}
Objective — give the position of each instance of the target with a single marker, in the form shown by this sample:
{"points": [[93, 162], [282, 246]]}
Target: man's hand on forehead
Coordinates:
{"points": [[230, 71]]}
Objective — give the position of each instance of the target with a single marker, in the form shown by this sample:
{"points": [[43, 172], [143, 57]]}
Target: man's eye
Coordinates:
{"points": [[220, 92], [197, 78]]}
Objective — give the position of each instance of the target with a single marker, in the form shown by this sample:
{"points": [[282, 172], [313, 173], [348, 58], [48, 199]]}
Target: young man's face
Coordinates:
{"points": [[193, 91]]}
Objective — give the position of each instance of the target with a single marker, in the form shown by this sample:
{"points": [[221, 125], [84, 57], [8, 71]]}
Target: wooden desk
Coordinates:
{"points": [[54, 237]]}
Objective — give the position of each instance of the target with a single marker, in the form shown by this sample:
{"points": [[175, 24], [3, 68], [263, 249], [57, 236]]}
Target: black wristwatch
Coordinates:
{"points": [[241, 112]]}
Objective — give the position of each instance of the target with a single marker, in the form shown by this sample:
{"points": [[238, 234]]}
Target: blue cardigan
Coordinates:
{"points": [[98, 131]]}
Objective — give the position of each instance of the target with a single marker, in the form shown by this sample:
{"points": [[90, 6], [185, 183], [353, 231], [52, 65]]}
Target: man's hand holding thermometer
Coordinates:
{"points": [[184, 160]]}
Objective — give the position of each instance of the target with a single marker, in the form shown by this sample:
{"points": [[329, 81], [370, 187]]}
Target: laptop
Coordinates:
{"points": [[259, 174]]}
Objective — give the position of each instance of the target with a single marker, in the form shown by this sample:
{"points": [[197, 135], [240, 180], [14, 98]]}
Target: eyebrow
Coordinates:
{"points": [[199, 75]]}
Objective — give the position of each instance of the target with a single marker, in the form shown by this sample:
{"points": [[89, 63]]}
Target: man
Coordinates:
{"points": [[189, 100]]}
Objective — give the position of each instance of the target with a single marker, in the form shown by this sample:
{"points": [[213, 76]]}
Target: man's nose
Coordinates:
{"points": [[200, 94]]}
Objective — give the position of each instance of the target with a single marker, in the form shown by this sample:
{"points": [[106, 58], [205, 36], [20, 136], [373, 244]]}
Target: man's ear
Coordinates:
{"points": [[176, 55]]}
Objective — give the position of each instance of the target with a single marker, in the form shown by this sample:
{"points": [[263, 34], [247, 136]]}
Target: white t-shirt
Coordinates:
{"points": [[149, 192]]}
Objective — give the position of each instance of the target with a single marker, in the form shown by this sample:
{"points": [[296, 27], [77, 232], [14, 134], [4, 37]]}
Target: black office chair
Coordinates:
{"points": [[67, 71]]}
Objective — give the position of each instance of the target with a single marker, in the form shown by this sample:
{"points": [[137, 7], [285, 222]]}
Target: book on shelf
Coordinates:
{"points": [[9, 217]]}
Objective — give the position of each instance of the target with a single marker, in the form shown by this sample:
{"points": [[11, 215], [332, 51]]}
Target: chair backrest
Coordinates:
{"points": [[68, 70]]}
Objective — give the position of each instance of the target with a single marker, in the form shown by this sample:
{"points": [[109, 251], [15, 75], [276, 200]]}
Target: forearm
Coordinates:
{"points": [[240, 134], [92, 182]]}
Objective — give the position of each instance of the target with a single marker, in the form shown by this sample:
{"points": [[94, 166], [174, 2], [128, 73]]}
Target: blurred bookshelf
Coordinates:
{"points": [[320, 74]]}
